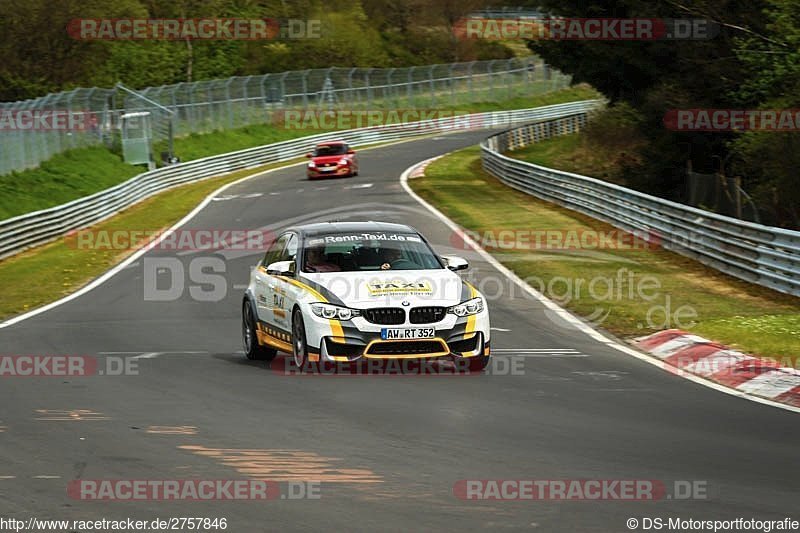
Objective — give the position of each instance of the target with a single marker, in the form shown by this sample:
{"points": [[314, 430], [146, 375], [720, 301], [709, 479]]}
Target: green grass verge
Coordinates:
{"points": [[62, 178], [84, 171], [54, 270], [572, 153], [598, 283]]}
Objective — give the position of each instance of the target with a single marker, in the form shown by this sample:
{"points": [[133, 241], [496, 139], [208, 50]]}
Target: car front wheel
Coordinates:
{"points": [[252, 349], [299, 346]]}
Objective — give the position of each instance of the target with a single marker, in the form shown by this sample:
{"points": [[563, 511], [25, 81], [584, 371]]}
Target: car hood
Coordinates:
{"points": [[364, 290]]}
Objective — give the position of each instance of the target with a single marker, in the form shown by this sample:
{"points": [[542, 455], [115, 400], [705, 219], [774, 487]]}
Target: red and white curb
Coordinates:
{"points": [[419, 170], [716, 362]]}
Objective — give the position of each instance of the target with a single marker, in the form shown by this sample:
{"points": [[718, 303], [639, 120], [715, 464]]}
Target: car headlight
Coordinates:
{"points": [[331, 311], [311, 164], [470, 307], [343, 162]]}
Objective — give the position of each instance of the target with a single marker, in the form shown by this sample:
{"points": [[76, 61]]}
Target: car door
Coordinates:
{"points": [[279, 291], [263, 293]]}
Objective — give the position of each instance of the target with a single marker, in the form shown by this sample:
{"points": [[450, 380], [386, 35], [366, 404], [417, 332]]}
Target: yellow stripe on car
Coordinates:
{"points": [[336, 325], [472, 319]]}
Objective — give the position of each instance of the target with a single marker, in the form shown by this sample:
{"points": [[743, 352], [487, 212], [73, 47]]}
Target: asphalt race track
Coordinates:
{"points": [[389, 449]]}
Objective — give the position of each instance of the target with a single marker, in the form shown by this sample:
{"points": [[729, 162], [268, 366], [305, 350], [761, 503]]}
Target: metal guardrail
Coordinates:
{"points": [[764, 255], [32, 229]]}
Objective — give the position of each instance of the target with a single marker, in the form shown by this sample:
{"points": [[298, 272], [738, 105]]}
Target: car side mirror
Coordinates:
{"points": [[281, 268], [351, 152], [309, 155], [455, 263]]}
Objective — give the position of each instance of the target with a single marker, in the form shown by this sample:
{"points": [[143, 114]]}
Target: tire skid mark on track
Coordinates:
{"points": [[172, 430], [69, 415], [285, 465]]}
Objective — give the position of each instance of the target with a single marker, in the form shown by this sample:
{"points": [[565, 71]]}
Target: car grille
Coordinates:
{"points": [[407, 348], [385, 315], [427, 315]]}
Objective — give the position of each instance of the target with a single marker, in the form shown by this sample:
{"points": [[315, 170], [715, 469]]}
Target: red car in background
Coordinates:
{"points": [[332, 159]]}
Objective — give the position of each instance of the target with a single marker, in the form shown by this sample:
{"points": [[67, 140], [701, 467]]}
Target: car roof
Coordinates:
{"points": [[328, 143], [350, 227]]}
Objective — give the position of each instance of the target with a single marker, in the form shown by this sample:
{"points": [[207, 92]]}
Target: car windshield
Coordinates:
{"points": [[330, 149], [356, 252]]}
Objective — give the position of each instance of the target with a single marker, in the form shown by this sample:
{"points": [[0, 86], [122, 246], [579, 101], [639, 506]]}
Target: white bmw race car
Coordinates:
{"points": [[340, 292]]}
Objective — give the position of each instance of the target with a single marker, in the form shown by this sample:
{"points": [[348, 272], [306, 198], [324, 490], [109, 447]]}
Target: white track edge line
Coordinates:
{"points": [[566, 315], [207, 200]]}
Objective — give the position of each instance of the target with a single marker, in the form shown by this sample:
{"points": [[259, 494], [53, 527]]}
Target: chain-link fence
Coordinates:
{"points": [[32, 131], [206, 106]]}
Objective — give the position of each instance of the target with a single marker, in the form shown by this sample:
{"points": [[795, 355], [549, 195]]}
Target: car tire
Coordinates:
{"points": [[299, 345], [252, 349]]}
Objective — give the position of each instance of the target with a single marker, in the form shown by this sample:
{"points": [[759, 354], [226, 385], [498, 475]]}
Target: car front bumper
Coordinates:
{"points": [[358, 339], [338, 171]]}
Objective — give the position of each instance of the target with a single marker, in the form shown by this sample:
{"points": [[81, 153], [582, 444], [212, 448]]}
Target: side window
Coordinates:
{"points": [[290, 252], [276, 250]]}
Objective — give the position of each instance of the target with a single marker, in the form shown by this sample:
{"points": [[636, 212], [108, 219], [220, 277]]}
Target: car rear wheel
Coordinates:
{"points": [[252, 349], [299, 346]]}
